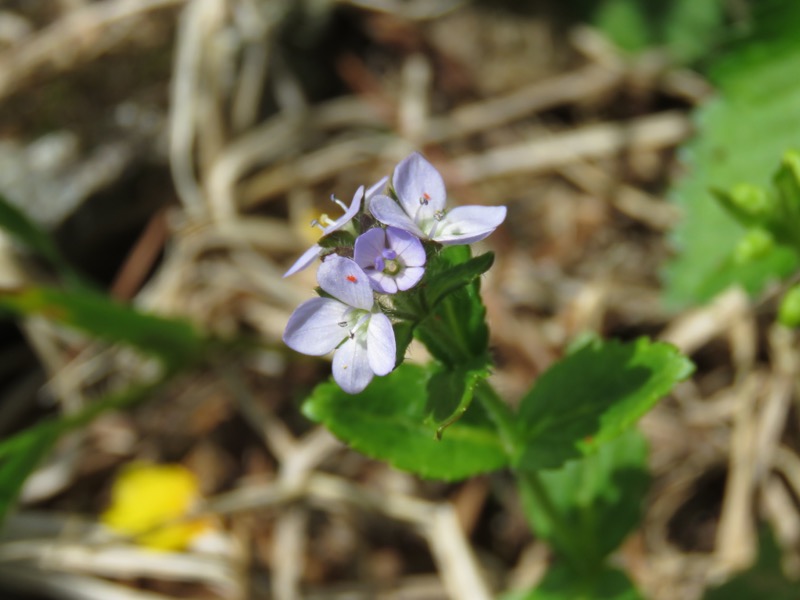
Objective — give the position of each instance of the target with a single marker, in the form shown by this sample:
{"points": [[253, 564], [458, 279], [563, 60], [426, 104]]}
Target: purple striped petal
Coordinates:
{"points": [[351, 368], [383, 283], [375, 188], [419, 187], [315, 327], [368, 247], [348, 215], [342, 278], [389, 212], [381, 344], [308, 257], [408, 278], [468, 224], [407, 246]]}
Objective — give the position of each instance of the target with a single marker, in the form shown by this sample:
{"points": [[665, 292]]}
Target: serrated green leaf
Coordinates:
{"points": [[563, 583], [592, 396], [445, 281], [456, 332], [173, 341], [387, 421], [29, 234], [741, 137], [599, 497]]}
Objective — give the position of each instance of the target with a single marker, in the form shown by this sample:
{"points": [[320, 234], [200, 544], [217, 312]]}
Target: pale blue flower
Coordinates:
{"points": [[350, 323], [393, 259], [328, 226], [421, 209]]}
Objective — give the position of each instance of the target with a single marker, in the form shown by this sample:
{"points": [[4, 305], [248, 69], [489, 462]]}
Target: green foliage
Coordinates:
{"points": [[592, 396], [742, 135], [563, 583], [450, 393], [598, 496], [454, 326], [789, 310], [388, 421], [770, 216], [173, 341], [336, 239], [687, 29], [26, 232], [763, 581], [452, 270], [19, 456]]}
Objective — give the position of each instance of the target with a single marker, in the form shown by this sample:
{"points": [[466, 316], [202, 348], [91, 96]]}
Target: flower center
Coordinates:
{"points": [[391, 267]]}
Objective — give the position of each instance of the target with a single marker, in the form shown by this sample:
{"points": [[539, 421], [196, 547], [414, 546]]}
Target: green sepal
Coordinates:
{"points": [[337, 239]]}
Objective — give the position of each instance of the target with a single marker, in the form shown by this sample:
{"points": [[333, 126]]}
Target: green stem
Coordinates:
{"points": [[529, 482]]}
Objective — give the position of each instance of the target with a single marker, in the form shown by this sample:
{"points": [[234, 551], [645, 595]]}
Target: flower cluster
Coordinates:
{"points": [[386, 257]]}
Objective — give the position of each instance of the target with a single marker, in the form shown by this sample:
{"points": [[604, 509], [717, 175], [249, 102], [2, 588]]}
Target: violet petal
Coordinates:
{"points": [[315, 326], [468, 224], [381, 344], [308, 257], [389, 212], [348, 215], [368, 247], [351, 368], [406, 245], [342, 278], [376, 188], [419, 187], [408, 278]]}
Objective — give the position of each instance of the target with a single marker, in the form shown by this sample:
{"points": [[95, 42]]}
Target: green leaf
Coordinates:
{"points": [[403, 334], [450, 393], [789, 309], [787, 183], [742, 135], [687, 29], [453, 327], [454, 270], [29, 234], [387, 421], [765, 580], [563, 583], [456, 332], [599, 497], [19, 456], [592, 396], [173, 341]]}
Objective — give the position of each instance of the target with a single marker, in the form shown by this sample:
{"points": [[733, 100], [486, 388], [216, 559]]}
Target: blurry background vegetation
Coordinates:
{"points": [[176, 151]]}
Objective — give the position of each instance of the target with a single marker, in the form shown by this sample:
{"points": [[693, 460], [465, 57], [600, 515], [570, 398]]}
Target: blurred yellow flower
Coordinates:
{"points": [[145, 496]]}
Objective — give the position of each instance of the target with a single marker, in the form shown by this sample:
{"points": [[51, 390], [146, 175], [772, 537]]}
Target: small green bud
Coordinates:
{"points": [[751, 200], [787, 182], [756, 243], [789, 311]]}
